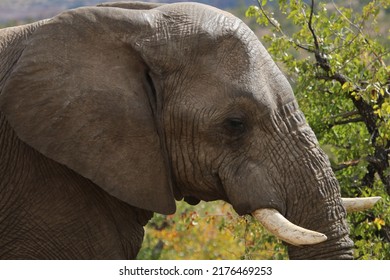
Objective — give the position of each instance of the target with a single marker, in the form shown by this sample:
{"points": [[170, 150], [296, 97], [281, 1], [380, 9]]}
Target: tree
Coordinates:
{"points": [[336, 58]]}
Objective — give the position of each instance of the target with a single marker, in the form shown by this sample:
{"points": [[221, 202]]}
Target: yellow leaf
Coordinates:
{"points": [[346, 85], [379, 223]]}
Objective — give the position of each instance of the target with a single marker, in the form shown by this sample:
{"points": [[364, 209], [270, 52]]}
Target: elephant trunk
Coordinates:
{"points": [[315, 203], [310, 191], [329, 220], [314, 223], [323, 234]]}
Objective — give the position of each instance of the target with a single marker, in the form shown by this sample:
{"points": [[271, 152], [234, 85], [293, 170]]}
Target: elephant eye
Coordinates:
{"points": [[235, 126]]}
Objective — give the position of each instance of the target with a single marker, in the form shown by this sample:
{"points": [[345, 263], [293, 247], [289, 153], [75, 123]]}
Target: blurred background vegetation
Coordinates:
{"points": [[336, 56], [209, 230]]}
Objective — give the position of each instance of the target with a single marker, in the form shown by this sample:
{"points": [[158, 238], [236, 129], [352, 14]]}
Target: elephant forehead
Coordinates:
{"points": [[262, 83], [265, 80], [246, 66], [232, 98]]}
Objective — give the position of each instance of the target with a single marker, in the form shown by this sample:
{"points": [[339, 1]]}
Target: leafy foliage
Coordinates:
{"points": [[336, 58], [208, 231]]}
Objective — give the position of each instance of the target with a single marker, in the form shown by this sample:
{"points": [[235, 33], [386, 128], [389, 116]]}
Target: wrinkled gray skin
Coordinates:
{"points": [[110, 113]]}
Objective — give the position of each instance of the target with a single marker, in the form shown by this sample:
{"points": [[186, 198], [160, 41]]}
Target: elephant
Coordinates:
{"points": [[111, 113]]}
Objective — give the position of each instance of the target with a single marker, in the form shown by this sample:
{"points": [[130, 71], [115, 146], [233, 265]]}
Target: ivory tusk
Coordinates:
{"points": [[278, 225], [359, 203]]}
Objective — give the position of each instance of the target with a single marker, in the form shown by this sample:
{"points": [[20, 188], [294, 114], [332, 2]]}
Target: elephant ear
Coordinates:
{"points": [[81, 96]]}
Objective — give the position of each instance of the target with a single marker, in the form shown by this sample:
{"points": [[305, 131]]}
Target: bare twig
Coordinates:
{"points": [[269, 19], [359, 28], [346, 164], [347, 114], [354, 120]]}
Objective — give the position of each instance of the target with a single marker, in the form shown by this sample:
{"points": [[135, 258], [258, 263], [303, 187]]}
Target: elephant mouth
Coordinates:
{"points": [[295, 235]]}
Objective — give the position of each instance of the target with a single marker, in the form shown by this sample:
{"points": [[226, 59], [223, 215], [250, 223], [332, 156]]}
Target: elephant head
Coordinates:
{"points": [[156, 102]]}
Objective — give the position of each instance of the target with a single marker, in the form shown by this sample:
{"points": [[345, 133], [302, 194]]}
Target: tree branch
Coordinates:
{"points": [[321, 60], [346, 114], [310, 25], [345, 165], [324, 64], [354, 120], [269, 19]]}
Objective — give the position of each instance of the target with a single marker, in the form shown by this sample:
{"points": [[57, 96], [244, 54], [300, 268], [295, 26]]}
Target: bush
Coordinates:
{"points": [[208, 231]]}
